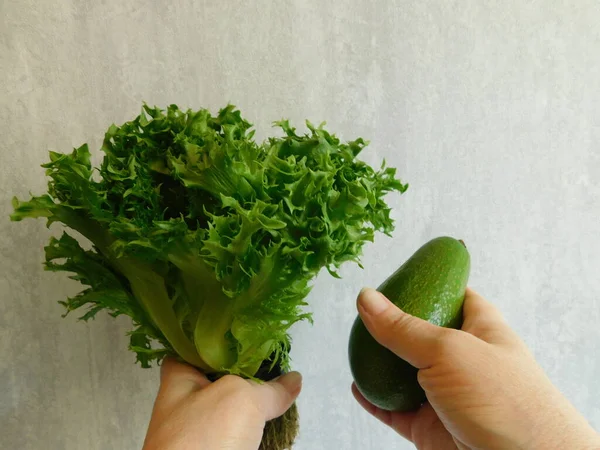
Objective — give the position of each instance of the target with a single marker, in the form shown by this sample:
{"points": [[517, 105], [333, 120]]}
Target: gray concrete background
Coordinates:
{"points": [[490, 110]]}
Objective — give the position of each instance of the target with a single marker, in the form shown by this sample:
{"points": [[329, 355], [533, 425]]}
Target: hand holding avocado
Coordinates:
{"points": [[483, 387], [431, 285]]}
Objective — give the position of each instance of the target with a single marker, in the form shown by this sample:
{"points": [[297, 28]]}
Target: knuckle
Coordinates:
{"points": [[229, 379], [232, 382], [448, 341], [234, 390], [397, 324], [399, 321]]}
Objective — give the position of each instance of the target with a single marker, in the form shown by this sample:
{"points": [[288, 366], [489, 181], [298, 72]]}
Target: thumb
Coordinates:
{"points": [[276, 396], [412, 339]]}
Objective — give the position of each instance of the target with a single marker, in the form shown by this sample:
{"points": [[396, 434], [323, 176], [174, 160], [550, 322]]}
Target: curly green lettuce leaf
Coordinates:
{"points": [[107, 290], [206, 238]]}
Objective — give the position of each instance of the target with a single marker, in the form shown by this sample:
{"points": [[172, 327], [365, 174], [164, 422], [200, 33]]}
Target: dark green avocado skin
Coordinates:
{"points": [[430, 285]]}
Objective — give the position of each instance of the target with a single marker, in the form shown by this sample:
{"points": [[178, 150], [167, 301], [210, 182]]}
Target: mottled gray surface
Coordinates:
{"points": [[490, 109]]}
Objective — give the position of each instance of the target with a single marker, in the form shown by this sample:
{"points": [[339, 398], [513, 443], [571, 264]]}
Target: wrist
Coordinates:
{"points": [[553, 422], [580, 436]]}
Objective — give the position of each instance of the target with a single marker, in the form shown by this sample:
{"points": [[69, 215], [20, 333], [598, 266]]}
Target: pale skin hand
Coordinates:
{"points": [[484, 388], [192, 413]]}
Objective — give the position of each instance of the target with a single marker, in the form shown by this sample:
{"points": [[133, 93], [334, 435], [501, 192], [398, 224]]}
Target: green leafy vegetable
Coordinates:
{"points": [[207, 239]]}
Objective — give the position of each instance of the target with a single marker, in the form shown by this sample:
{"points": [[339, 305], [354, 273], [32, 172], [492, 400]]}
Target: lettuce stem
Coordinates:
{"points": [[147, 286]]}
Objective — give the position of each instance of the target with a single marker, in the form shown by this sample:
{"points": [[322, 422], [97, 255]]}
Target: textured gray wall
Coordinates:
{"points": [[488, 108]]}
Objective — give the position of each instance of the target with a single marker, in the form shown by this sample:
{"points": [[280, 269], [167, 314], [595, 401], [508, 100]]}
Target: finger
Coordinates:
{"points": [[412, 339], [484, 320], [475, 307], [177, 381], [275, 397], [401, 422]]}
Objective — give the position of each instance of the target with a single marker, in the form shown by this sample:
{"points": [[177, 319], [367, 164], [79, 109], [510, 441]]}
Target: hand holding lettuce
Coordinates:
{"points": [[206, 238]]}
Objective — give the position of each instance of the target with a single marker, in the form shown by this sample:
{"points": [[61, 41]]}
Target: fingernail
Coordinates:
{"points": [[371, 301], [292, 381]]}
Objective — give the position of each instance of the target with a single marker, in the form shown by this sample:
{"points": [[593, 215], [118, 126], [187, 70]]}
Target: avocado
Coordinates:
{"points": [[430, 285]]}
